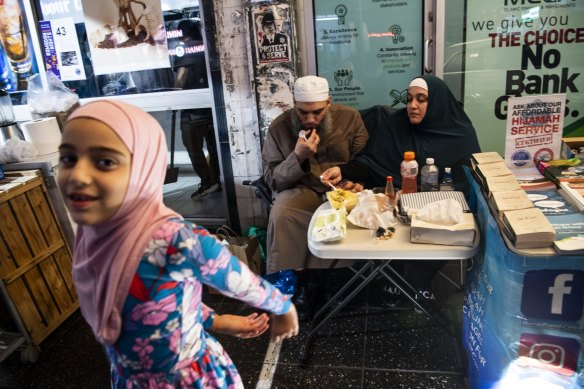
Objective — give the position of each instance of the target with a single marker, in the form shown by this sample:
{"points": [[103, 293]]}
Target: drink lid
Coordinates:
{"points": [[429, 161], [409, 155], [389, 179]]}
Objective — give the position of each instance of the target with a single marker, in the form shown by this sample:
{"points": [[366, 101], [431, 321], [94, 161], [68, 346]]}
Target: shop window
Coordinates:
{"points": [[181, 20]]}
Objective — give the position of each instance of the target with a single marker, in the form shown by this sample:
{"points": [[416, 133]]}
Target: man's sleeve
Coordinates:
{"points": [[361, 136], [281, 171]]}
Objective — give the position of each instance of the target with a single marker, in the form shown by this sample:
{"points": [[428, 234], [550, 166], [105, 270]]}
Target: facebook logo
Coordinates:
{"points": [[553, 294]]}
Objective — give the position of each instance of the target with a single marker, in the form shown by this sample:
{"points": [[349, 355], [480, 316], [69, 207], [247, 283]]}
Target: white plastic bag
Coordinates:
{"points": [[53, 100], [17, 150], [367, 212]]}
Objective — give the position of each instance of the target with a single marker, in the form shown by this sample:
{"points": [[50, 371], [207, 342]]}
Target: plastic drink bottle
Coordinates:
{"points": [[429, 176], [390, 192], [409, 173], [446, 183]]}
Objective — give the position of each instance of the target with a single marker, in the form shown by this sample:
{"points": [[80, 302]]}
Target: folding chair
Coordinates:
{"points": [[262, 190]]}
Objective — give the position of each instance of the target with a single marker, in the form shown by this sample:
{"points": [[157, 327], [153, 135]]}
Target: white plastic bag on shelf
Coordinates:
{"points": [[54, 100], [17, 150]]}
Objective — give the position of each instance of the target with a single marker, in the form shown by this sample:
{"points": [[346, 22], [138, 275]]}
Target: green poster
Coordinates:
{"points": [[369, 50], [522, 48]]}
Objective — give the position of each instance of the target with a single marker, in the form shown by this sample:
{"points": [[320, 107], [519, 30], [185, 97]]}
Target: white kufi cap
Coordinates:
{"points": [[311, 89]]}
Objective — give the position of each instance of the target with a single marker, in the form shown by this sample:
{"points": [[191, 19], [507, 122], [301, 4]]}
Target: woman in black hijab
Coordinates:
{"points": [[433, 124]]}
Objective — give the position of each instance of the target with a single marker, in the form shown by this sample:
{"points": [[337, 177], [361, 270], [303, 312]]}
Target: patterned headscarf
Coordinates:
{"points": [[107, 255]]}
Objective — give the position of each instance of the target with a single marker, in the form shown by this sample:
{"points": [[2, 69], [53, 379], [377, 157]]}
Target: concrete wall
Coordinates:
{"points": [[240, 106], [254, 95]]}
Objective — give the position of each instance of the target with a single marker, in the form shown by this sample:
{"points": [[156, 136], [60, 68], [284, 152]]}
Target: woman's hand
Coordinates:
{"points": [[332, 175], [244, 327], [285, 326], [351, 186]]}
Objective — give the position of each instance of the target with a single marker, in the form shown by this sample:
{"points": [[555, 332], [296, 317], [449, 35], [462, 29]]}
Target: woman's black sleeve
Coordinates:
{"points": [[355, 171]]}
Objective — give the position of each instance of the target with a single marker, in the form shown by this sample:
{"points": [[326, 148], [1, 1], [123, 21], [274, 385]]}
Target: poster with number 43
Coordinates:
{"points": [[61, 49]]}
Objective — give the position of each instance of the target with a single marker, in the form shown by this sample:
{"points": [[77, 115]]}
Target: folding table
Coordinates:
{"points": [[376, 255]]}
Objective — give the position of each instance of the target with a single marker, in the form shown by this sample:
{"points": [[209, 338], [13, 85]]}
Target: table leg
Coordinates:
{"points": [[358, 274], [411, 294], [383, 267], [365, 281]]}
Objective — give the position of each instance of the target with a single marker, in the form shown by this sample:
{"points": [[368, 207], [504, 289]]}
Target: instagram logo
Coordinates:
{"points": [[549, 352]]}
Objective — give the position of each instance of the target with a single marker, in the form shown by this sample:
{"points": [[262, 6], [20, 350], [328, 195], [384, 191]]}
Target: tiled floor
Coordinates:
{"points": [[208, 211], [367, 349]]}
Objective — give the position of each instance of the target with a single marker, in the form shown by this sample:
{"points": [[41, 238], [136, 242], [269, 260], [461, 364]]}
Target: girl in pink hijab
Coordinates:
{"points": [[139, 268]]}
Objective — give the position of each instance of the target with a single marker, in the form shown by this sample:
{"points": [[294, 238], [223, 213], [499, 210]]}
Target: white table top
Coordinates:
{"points": [[360, 243]]}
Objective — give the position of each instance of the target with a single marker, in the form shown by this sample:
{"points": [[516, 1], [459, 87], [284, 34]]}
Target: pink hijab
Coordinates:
{"points": [[107, 255]]}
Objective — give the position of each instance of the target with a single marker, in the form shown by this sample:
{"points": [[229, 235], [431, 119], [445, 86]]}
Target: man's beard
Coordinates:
{"points": [[323, 128]]}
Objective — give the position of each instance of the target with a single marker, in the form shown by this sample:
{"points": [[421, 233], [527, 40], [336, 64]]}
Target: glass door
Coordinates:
{"points": [[369, 50], [172, 84]]}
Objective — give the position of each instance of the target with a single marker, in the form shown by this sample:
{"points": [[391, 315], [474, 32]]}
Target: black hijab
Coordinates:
{"points": [[445, 134]]}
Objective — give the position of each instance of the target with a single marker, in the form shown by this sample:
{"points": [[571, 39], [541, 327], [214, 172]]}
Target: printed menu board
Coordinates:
{"points": [[61, 49], [369, 51]]}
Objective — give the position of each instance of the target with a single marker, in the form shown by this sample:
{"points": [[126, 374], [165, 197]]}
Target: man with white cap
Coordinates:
{"points": [[301, 144]]}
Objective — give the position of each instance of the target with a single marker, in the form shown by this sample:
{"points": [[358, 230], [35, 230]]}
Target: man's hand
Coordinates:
{"points": [[306, 148], [332, 176], [243, 327], [285, 326]]}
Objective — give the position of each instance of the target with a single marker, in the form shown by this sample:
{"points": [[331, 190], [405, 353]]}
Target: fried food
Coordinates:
{"points": [[342, 198]]}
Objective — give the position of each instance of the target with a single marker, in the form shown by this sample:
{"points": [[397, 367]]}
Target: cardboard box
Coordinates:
{"points": [[461, 234], [569, 144]]}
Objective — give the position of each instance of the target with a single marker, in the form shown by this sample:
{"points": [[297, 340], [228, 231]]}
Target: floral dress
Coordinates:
{"points": [[163, 342]]}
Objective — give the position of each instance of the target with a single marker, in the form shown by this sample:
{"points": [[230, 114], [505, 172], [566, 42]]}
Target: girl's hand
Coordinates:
{"points": [[285, 326], [244, 327]]}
